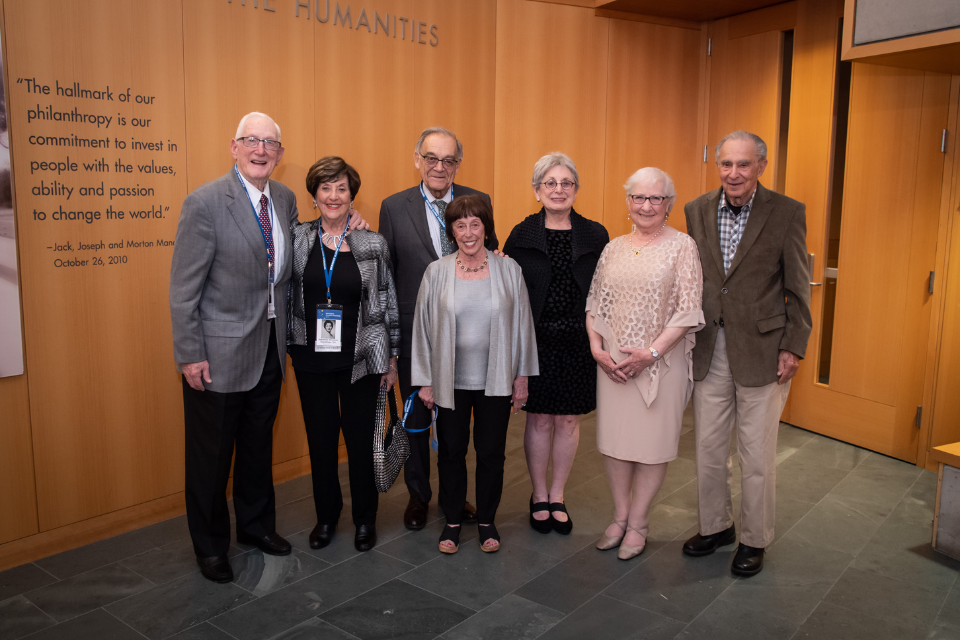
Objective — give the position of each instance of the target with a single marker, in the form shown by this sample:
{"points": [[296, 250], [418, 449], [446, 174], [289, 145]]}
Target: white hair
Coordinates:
{"points": [[551, 160], [429, 131], [653, 174], [747, 136], [255, 114]]}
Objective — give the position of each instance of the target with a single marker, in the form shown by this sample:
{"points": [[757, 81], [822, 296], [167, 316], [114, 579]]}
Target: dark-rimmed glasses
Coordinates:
{"points": [[552, 184], [431, 160], [640, 199]]}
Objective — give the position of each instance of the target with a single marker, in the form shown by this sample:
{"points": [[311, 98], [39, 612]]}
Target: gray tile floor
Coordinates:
{"points": [[852, 559]]}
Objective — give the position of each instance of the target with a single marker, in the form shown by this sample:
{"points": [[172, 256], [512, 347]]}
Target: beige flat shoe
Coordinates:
{"points": [[609, 542], [628, 552]]}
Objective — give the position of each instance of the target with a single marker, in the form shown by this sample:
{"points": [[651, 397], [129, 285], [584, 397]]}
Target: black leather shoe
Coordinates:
{"points": [[469, 514], [748, 561], [415, 517], [700, 545], [216, 568], [271, 544], [321, 535], [366, 537]]}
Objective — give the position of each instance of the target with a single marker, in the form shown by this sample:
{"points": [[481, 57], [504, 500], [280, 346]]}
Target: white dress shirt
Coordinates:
{"points": [[432, 223], [254, 200]]}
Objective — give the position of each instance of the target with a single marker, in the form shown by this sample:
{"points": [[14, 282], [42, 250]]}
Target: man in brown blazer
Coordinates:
{"points": [[756, 302]]}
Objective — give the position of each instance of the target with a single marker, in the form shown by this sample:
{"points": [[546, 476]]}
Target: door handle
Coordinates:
{"points": [[810, 263]]}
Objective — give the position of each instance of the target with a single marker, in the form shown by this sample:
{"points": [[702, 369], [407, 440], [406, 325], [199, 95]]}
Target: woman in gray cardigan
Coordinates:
{"points": [[344, 339], [473, 348]]}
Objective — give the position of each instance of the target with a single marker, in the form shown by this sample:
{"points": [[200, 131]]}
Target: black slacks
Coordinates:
{"points": [[213, 423], [416, 470], [331, 404], [491, 416]]}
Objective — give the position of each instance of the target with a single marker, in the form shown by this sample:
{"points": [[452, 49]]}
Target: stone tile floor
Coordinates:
{"points": [[852, 559]]}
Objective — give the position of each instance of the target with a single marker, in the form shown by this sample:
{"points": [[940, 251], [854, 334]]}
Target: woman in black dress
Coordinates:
{"points": [[558, 250], [344, 339]]}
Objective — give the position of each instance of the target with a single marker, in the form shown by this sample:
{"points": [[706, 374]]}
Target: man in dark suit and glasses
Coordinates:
{"points": [[228, 303], [412, 223], [756, 302]]}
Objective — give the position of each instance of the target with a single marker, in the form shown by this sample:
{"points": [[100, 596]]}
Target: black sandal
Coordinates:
{"points": [[558, 526], [450, 534], [488, 532], [543, 526]]}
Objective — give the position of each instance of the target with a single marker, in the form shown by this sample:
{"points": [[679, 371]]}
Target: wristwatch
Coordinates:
{"points": [[654, 353]]}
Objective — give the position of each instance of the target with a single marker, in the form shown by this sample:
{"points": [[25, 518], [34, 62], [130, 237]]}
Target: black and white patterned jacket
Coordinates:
{"points": [[378, 329]]}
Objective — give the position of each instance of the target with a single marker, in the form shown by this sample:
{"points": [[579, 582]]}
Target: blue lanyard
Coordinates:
{"points": [[433, 209], [408, 409], [328, 273], [256, 216]]}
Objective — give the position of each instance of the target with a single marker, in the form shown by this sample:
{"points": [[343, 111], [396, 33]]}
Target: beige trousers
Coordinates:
{"points": [[718, 402]]}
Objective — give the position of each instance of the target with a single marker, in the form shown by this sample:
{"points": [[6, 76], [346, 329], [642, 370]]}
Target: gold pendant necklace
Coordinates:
{"points": [[637, 250], [463, 268]]}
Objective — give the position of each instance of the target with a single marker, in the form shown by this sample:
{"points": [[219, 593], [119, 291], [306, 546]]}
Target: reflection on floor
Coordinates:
{"points": [[852, 559]]}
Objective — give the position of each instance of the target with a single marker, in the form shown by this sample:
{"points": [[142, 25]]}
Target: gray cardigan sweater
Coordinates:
{"points": [[513, 342]]}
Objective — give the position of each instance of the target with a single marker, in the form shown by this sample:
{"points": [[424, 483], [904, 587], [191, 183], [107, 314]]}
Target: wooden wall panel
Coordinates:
{"points": [[18, 499], [551, 96], [744, 94], [652, 115], [104, 400]]}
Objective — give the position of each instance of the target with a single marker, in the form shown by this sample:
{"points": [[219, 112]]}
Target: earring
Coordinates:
{"points": [[314, 204]]}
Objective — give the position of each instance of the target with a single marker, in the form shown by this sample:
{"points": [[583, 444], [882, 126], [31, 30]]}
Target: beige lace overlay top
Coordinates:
{"points": [[633, 298]]}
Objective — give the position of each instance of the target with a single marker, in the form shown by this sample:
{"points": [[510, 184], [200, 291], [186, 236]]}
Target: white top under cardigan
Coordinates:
{"points": [[513, 342]]}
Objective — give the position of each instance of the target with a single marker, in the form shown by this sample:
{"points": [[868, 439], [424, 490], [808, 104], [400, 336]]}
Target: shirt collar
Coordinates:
{"points": [[746, 206], [252, 191], [448, 197]]}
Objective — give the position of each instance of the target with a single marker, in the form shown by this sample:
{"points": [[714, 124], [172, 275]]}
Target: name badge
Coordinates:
{"points": [[329, 326]]}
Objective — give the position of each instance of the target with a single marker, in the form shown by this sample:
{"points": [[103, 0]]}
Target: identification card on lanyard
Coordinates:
{"points": [[329, 326]]}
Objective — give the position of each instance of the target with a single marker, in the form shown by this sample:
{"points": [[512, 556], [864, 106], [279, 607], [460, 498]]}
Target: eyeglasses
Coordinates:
{"points": [[448, 163], [552, 184], [252, 143], [640, 199]]}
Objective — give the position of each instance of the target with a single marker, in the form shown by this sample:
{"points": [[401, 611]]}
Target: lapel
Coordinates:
{"points": [[238, 204], [759, 214], [418, 218], [282, 209], [711, 231], [578, 227]]}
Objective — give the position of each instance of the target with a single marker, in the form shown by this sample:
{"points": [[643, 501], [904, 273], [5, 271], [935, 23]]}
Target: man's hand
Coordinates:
{"points": [[520, 393], [356, 222], [196, 374], [787, 366], [426, 395]]}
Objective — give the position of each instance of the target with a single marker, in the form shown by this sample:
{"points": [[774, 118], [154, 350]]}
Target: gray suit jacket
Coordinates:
{"points": [[764, 300], [219, 287], [403, 223]]}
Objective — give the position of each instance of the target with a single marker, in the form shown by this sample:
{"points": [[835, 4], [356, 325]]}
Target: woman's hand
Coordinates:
{"points": [[391, 375], [636, 361], [520, 393], [609, 366], [426, 395]]}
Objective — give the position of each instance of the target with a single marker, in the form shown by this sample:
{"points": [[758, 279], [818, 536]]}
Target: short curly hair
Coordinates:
{"points": [[331, 169], [466, 206]]}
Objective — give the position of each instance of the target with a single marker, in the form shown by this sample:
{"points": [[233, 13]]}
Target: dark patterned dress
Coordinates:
{"points": [[567, 384]]}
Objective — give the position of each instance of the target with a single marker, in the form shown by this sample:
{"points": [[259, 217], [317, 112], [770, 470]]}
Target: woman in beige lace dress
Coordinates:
{"points": [[642, 312]]}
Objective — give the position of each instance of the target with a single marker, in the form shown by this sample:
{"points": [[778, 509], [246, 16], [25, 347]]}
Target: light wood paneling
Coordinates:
{"points": [[104, 398], [652, 99], [18, 499], [696, 10], [747, 66], [551, 89], [779, 17]]}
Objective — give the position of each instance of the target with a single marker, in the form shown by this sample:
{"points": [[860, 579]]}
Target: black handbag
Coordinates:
{"points": [[390, 445]]}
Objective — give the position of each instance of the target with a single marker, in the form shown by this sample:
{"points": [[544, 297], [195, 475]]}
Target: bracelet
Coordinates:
{"points": [[394, 368]]}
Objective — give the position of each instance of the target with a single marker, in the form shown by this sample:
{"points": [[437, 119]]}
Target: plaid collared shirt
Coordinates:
{"points": [[731, 228]]}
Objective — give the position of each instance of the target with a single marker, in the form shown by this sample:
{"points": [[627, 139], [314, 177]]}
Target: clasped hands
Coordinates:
{"points": [[630, 367]]}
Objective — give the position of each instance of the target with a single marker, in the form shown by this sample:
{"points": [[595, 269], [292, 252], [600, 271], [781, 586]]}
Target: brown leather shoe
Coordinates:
{"points": [[700, 545], [216, 568], [415, 516], [469, 514]]}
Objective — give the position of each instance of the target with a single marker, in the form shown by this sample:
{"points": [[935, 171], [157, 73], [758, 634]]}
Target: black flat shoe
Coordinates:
{"points": [[271, 544], [450, 534], [322, 535], [543, 526], [488, 532], [468, 515], [700, 545], [415, 515], [216, 568], [366, 537], [748, 561], [560, 527]]}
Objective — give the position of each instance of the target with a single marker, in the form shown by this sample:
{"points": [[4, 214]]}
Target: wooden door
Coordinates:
{"points": [[888, 239]]}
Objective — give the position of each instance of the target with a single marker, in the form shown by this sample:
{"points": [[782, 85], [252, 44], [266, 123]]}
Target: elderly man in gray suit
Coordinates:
{"points": [[228, 302], [412, 223], [756, 302]]}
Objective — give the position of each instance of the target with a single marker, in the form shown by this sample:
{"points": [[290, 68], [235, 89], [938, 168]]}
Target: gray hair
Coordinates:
{"points": [[255, 114], [744, 135], [429, 131], [654, 175], [551, 160]]}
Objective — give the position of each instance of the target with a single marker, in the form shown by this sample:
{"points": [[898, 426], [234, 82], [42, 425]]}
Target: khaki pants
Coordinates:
{"points": [[718, 402]]}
